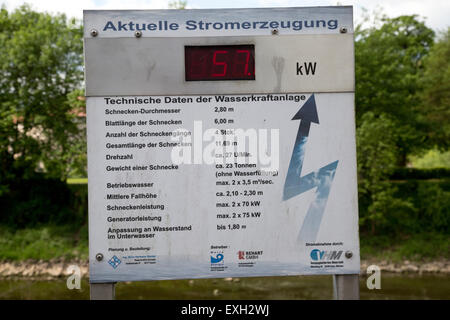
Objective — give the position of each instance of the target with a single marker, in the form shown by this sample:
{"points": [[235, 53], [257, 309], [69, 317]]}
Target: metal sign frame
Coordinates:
{"points": [[133, 53]]}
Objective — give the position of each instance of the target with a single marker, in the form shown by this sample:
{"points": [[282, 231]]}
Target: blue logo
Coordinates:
{"points": [[317, 255], [218, 258], [114, 262]]}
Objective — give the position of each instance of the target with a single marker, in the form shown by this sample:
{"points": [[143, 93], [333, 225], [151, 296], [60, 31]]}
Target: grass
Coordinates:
{"points": [[417, 247], [432, 159], [44, 243], [68, 242], [77, 181]]}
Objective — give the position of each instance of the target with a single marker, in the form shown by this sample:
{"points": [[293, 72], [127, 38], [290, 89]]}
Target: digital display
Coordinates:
{"points": [[205, 63]]}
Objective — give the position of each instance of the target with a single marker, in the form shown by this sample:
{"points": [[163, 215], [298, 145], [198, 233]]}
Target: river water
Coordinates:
{"points": [[393, 286]]}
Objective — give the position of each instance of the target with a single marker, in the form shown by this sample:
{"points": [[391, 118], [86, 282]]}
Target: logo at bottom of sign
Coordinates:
{"points": [[217, 259], [114, 262], [322, 259], [247, 259]]}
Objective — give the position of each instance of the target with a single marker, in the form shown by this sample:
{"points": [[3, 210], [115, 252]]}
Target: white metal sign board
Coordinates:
{"points": [[221, 154]]}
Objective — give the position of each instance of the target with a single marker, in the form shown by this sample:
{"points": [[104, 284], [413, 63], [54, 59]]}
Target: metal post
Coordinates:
{"points": [[346, 286], [103, 291]]}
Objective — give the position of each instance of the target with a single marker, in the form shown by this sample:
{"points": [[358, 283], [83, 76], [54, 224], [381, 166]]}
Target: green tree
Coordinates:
{"points": [[389, 66], [40, 64], [177, 4], [71, 161], [377, 153], [436, 93]]}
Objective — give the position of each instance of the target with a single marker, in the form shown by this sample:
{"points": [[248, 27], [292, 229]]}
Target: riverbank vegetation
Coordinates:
{"points": [[417, 233]]}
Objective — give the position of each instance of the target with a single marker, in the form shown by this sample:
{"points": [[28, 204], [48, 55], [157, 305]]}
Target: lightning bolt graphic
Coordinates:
{"points": [[295, 184]]}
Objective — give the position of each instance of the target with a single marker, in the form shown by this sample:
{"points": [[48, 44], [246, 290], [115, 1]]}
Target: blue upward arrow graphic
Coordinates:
{"points": [[295, 184]]}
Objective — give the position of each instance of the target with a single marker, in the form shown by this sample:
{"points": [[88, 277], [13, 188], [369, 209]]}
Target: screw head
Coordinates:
{"points": [[275, 31], [343, 29], [94, 33], [138, 34], [99, 257], [348, 254]]}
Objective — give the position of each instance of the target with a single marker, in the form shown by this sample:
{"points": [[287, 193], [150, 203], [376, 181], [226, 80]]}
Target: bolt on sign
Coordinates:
{"points": [[221, 143]]}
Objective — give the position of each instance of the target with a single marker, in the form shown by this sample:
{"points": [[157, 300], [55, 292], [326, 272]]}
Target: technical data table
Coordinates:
{"points": [[225, 179]]}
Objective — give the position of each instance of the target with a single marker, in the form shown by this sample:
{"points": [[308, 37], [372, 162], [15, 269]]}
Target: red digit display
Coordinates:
{"points": [[205, 63]]}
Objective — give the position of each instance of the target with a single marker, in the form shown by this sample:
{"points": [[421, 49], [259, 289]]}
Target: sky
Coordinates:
{"points": [[435, 12]]}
